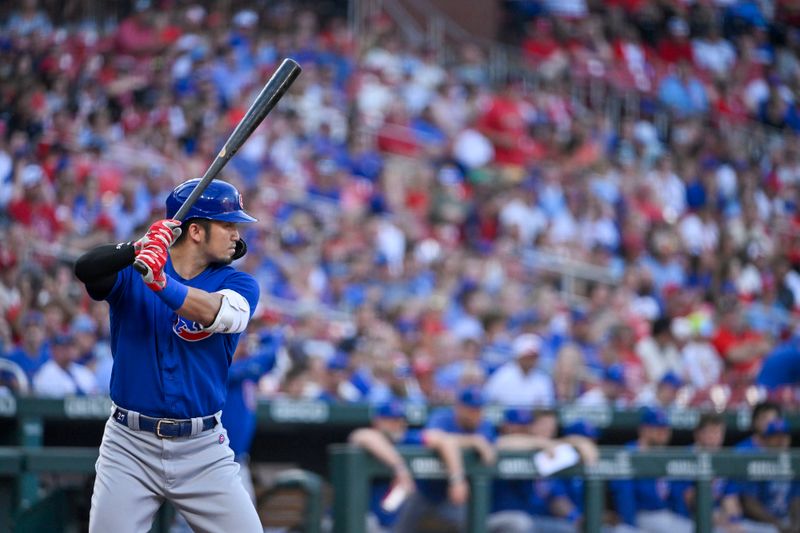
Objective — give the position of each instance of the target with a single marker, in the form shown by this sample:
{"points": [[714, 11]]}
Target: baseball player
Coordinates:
{"points": [[646, 503], [174, 330], [465, 424], [390, 429]]}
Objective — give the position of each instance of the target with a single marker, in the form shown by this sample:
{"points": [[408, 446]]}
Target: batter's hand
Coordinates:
{"points": [[161, 231], [151, 260]]}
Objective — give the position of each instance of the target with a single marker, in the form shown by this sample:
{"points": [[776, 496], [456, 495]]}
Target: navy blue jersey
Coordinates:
{"points": [[380, 487], [512, 495], [165, 365]]}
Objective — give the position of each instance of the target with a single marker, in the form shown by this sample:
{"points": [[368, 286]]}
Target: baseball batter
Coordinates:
{"points": [[174, 330]]}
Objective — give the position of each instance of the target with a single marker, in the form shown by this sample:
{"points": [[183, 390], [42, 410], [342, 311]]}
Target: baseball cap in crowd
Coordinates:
{"points": [[517, 416], [654, 417], [582, 428], [526, 344], [670, 378], [615, 374], [471, 397], [390, 409], [777, 426]]}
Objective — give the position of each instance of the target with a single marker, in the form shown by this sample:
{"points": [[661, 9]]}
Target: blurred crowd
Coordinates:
{"points": [[614, 221]]}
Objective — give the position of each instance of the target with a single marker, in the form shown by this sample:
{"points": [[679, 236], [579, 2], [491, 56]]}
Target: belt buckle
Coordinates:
{"points": [[158, 427]]}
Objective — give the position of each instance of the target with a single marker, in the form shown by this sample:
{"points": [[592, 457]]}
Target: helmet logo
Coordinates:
{"points": [[241, 202], [189, 330]]}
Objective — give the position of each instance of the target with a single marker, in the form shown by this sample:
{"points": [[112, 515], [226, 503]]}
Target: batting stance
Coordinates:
{"points": [[174, 330]]}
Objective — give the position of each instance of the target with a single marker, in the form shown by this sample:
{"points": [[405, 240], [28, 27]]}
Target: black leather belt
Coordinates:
{"points": [[164, 428]]}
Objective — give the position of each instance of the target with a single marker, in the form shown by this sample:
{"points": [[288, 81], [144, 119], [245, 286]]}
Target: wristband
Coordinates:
{"points": [[174, 293], [574, 516], [456, 478]]}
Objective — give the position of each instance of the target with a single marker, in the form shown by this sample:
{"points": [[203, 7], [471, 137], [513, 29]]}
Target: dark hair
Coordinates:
{"points": [[202, 222], [661, 325], [761, 408], [709, 419]]}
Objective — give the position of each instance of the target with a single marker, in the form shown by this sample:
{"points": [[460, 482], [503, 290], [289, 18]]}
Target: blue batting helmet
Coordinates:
{"points": [[219, 201]]}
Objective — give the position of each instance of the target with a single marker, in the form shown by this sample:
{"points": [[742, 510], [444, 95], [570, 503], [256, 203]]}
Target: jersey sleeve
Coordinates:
{"points": [[124, 277], [244, 284]]}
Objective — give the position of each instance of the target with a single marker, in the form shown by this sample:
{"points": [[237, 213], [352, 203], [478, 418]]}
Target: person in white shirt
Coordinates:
{"points": [[61, 375], [519, 383]]}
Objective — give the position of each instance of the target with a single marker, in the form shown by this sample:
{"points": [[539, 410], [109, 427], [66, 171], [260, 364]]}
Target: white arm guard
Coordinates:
{"points": [[233, 315]]}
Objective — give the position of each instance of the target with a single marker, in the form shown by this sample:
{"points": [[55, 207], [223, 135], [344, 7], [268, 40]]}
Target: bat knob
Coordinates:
{"points": [[140, 268]]}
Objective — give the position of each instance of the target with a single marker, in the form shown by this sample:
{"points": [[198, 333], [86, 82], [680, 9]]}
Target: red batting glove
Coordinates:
{"points": [[161, 231], [151, 259]]}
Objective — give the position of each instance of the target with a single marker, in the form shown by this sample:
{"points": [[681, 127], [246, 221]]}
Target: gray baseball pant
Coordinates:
{"points": [[137, 472]]}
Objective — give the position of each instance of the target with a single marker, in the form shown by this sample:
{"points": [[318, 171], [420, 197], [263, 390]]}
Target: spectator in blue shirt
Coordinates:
{"points": [[464, 423], [646, 503], [683, 93], [774, 502], [33, 351], [389, 429]]}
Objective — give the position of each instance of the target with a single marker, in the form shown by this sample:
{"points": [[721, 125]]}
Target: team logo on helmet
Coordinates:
{"points": [[189, 330]]}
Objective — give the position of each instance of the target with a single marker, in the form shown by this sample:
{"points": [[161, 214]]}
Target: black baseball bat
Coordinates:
{"points": [[273, 91]]}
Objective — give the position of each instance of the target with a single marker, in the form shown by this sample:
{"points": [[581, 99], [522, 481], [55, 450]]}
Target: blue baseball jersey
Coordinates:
{"points": [[30, 365], [445, 419], [720, 488], [545, 492], [775, 496], [381, 486], [239, 415], [634, 495], [164, 364]]}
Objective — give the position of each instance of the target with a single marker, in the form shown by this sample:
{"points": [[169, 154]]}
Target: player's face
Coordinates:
{"points": [[711, 436], [545, 425], [469, 418], [220, 241]]}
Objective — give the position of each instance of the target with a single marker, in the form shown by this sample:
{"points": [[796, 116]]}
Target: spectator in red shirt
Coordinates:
{"points": [[740, 347], [137, 35], [676, 46], [506, 125], [30, 206]]}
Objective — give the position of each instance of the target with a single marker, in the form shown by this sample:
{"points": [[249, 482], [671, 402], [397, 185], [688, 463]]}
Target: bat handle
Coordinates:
{"points": [[140, 268]]}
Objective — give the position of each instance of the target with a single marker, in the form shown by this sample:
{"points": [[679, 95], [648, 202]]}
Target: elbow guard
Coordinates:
{"points": [[233, 315]]}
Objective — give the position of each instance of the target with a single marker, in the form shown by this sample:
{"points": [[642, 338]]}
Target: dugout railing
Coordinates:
{"points": [[352, 470]]}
